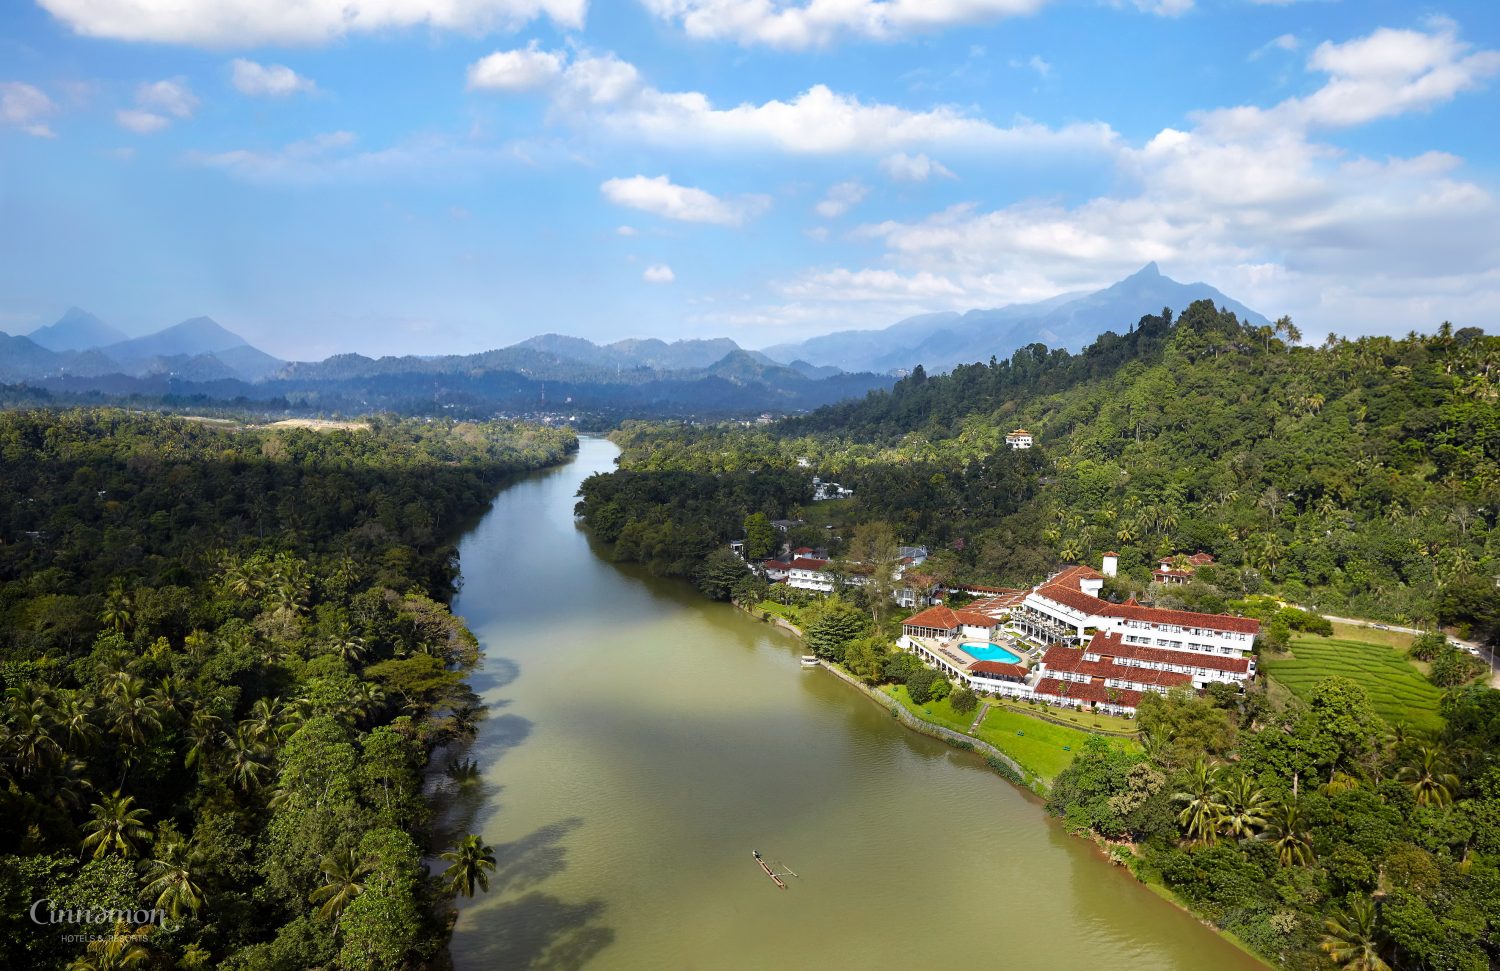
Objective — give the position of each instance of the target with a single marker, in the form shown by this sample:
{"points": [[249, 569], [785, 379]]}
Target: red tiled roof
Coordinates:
{"points": [[946, 618], [1186, 618], [1075, 573], [802, 549], [1089, 604], [999, 602], [1088, 692], [939, 618], [807, 563], [776, 564], [1109, 644], [1072, 660], [1201, 558], [997, 667], [1075, 598]]}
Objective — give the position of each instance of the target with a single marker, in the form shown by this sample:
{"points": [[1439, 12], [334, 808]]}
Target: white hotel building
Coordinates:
{"points": [[1210, 648]]}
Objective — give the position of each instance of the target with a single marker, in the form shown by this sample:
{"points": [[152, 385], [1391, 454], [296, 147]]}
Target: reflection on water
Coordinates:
{"points": [[642, 742]]}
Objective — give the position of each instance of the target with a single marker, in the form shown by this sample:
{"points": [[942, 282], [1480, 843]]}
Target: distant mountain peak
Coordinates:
{"points": [[1071, 320], [76, 330]]}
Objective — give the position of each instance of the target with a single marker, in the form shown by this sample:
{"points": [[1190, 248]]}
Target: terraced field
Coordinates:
{"points": [[1397, 690]]}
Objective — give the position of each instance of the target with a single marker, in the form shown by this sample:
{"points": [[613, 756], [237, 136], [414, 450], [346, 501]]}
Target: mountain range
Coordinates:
{"points": [[1072, 320], [198, 357]]}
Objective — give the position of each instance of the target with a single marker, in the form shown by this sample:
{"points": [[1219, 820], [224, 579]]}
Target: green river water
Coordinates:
{"points": [[642, 741]]}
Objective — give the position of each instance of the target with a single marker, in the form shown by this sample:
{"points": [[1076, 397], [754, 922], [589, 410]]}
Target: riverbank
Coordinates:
{"points": [[1026, 747], [1006, 764]]}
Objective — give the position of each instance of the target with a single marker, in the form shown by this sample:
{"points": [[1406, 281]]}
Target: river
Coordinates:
{"points": [[642, 741]]}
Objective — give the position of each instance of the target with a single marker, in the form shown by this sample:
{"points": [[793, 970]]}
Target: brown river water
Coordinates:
{"points": [[642, 742]]}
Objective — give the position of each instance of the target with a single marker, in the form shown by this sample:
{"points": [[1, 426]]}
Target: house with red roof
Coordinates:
{"points": [[1179, 569]]}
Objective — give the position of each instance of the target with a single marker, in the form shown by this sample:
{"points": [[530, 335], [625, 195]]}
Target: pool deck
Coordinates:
{"points": [[952, 650]]}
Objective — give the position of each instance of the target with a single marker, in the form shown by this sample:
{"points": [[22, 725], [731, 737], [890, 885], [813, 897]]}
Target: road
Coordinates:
{"points": [[1473, 647]]}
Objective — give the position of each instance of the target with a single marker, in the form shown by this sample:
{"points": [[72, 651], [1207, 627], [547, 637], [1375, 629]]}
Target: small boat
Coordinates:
{"points": [[775, 876], [809, 660]]}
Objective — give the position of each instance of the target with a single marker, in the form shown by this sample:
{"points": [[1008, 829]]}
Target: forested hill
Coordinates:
{"points": [[1361, 475], [227, 656]]}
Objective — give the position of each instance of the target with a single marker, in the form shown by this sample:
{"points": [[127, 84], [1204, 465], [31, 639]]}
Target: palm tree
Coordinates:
{"points": [[117, 827], [348, 645], [1350, 937], [1429, 779], [175, 887], [345, 873], [1285, 832], [118, 613], [472, 861], [133, 715], [76, 717], [268, 717], [1200, 816], [28, 736], [1245, 809], [246, 765], [169, 698], [203, 729]]}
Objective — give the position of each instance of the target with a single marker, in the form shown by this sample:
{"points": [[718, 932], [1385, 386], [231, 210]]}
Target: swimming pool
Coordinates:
{"points": [[981, 651]]}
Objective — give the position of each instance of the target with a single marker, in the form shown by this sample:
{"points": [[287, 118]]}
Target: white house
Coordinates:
{"points": [[1020, 438], [809, 573]]}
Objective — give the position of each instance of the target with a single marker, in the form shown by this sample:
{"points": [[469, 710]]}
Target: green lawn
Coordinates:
{"points": [[1397, 689], [1041, 747], [1086, 720], [780, 610]]}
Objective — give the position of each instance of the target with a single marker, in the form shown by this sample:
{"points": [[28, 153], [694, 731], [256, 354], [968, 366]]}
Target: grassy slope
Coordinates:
{"points": [[1041, 747], [1397, 689]]}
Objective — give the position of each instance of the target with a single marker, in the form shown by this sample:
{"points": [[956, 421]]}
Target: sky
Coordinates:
{"points": [[449, 176]]}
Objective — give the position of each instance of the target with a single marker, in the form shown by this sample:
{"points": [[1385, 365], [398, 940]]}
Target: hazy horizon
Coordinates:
{"points": [[407, 179]]}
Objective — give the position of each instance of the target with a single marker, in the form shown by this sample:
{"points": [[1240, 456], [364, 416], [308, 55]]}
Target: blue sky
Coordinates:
{"points": [[425, 176]]}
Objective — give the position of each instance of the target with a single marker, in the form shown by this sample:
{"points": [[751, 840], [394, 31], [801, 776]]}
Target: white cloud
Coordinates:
{"points": [[269, 80], [879, 285], [797, 25], [901, 167], [661, 197], [1035, 62], [658, 273], [1283, 42], [1391, 72], [1164, 8], [516, 70], [157, 103], [1246, 199], [172, 96], [240, 23], [601, 93], [141, 122], [626, 231], [299, 160], [841, 198], [24, 106]]}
